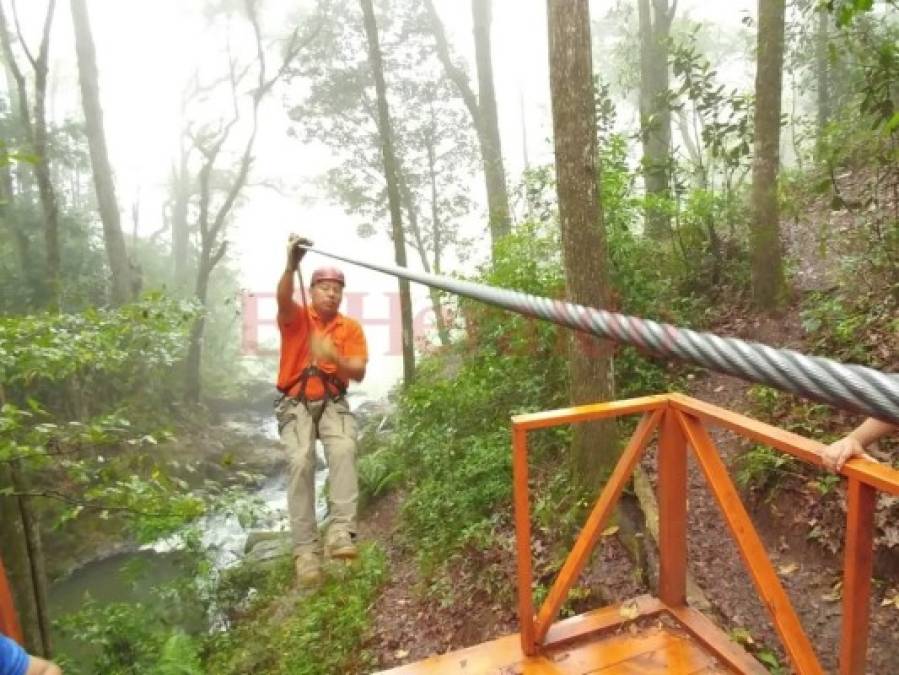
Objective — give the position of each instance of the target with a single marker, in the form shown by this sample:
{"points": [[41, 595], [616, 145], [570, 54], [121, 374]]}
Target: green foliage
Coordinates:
{"points": [[722, 118], [763, 468], [95, 350], [767, 402], [82, 418], [179, 656], [855, 328], [846, 11], [833, 326], [827, 482], [316, 634], [379, 471], [126, 638], [452, 444], [452, 423]]}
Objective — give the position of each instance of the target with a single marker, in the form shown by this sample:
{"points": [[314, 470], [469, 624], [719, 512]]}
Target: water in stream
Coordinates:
{"points": [[108, 580]]}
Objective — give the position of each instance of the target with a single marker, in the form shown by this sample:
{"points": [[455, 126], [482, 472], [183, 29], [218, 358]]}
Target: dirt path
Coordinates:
{"points": [[410, 623], [405, 627]]}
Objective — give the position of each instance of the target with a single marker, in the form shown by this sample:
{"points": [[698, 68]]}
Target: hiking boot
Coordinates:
{"points": [[340, 543], [308, 566]]}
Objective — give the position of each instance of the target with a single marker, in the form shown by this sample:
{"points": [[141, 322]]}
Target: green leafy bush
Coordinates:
{"points": [[287, 633]]}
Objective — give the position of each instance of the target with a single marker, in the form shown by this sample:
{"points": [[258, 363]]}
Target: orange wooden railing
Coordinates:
{"points": [[682, 423]]}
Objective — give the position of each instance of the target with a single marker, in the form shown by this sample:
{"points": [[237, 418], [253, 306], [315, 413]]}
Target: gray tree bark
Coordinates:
{"points": [[181, 191], [18, 235], [37, 136], [655, 114], [494, 171], [822, 76], [768, 284], [23, 557], [122, 284], [436, 230], [391, 176], [482, 110], [408, 199], [585, 256]]}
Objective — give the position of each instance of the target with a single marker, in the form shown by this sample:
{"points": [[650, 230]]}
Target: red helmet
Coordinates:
{"points": [[327, 274]]}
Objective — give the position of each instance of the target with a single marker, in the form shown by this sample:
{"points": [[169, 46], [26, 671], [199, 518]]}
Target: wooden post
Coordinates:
{"points": [[672, 488], [523, 539], [858, 557]]}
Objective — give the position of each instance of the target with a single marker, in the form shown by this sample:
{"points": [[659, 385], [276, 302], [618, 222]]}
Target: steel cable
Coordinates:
{"points": [[847, 386]]}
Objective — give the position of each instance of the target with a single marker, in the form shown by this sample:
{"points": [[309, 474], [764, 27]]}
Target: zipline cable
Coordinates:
{"points": [[848, 386]]}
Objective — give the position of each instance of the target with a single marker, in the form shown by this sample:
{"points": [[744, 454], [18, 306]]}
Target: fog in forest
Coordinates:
{"points": [[212, 462], [149, 55]]}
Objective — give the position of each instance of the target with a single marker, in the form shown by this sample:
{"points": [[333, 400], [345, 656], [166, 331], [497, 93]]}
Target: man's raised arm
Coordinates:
{"points": [[286, 306]]}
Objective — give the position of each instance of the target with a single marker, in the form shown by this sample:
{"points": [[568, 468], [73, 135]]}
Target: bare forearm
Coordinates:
{"points": [[38, 666], [871, 430], [285, 292]]}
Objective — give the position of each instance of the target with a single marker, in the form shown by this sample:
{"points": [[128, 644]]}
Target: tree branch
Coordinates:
{"points": [[15, 16], [158, 233], [44, 54], [18, 76], [218, 255], [456, 74], [89, 506]]}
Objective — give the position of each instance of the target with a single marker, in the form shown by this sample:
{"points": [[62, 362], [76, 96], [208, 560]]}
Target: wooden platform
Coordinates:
{"points": [[607, 641]]}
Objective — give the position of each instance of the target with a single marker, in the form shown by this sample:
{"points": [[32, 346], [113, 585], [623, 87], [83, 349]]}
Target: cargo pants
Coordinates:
{"points": [[336, 429]]}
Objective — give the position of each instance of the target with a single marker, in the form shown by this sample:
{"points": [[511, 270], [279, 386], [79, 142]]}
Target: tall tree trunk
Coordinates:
{"points": [[8, 193], [116, 254], [494, 171], [198, 330], [23, 556], [37, 135], [14, 552], [408, 199], [390, 174], [768, 285], [483, 120], [20, 112], [436, 232], [655, 113], [822, 76], [585, 257], [181, 193], [49, 203]]}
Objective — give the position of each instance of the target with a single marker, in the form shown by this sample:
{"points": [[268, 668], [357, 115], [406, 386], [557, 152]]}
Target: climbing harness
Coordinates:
{"points": [[848, 386]]}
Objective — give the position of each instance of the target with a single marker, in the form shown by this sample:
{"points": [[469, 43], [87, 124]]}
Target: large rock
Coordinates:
{"points": [[375, 415], [265, 548]]}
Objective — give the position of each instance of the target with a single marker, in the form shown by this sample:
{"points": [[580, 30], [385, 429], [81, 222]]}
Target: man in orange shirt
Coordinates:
{"points": [[321, 351]]}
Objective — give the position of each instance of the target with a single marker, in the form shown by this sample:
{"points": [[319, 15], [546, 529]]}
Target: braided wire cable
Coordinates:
{"points": [[847, 386]]}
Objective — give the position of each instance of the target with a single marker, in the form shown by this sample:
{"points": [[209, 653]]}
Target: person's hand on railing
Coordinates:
{"points": [[854, 444], [837, 454]]}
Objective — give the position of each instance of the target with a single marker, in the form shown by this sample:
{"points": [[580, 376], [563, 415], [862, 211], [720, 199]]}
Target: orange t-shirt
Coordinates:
{"points": [[344, 332]]}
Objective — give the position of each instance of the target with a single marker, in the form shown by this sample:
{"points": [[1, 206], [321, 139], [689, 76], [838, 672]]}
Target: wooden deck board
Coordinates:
{"points": [[654, 647]]}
